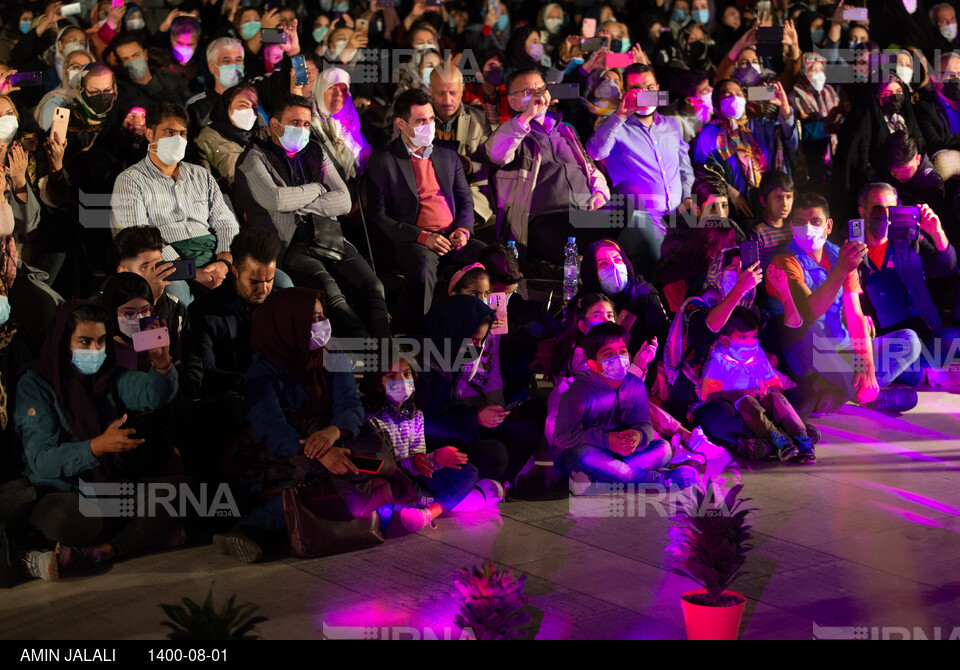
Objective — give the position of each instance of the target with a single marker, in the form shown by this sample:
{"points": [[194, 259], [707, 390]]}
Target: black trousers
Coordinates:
{"points": [[350, 278]]}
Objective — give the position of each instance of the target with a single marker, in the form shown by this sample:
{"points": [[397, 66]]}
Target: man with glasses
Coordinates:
{"points": [[938, 110], [544, 174], [647, 158]]}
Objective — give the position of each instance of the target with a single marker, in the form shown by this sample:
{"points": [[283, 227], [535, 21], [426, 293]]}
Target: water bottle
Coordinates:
{"points": [[571, 271], [512, 247]]}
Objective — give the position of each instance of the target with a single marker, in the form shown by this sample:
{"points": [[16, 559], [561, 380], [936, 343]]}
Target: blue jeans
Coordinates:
{"points": [[605, 466], [449, 486], [641, 241]]}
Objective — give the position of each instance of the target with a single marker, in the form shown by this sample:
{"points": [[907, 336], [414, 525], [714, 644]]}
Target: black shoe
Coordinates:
{"points": [[239, 544], [894, 399], [814, 434]]}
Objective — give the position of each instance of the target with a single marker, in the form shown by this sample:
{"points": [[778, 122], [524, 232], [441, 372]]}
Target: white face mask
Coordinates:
{"points": [[810, 238], [8, 127], [423, 135], [905, 73], [552, 25], [818, 81], [338, 47], [128, 326], [756, 68], [399, 391], [320, 333], [468, 370], [72, 77], [705, 108], [728, 282], [244, 118], [733, 108], [949, 31], [71, 47], [170, 150], [910, 6]]}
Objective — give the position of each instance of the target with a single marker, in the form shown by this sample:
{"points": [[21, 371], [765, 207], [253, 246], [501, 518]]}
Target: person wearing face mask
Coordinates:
{"points": [[606, 269], [738, 380], [66, 92], [537, 213], [289, 184], [420, 204], [693, 107], [743, 148], [183, 41], [603, 425], [17, 22], [303, 407], [944, 20], [181, 199], [814, 102], [839, 348], [487, 91], [72, 406], [524, 52], [225, 57], [552, 18], [232, 124], [645, 154], [139, 81], [894, 276], [491, 29], [694, 49], [938, 109]]}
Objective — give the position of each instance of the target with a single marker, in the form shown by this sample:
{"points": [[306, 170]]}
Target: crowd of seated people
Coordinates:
{"points": [[765, 206]]}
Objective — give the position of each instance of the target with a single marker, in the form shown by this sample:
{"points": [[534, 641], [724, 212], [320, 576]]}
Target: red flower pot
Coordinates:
{"points": [[712, 623]]}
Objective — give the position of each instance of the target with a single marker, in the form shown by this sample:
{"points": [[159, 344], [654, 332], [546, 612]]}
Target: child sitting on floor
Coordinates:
{"points": [[603, 424], [446, 481], [737, 371]]}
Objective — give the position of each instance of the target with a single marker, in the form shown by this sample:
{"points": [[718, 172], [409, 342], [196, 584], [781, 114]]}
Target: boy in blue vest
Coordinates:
{"points": [[840, 345], [603, 426]]}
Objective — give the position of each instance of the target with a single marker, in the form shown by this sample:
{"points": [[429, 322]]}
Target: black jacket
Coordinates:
{"points": [[934, 126], [392, 203]]}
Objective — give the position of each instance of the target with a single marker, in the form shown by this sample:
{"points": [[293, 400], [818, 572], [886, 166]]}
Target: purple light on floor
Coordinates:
{"points": [[917, 498], [918, 519], [886, 446]]}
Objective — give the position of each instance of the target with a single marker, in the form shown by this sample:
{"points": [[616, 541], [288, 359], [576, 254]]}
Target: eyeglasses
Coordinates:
{"points": [[530, 92], [131, 314]]}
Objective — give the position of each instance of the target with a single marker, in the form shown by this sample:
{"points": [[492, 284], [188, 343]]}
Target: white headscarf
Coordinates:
{"points": [[340, 132]]}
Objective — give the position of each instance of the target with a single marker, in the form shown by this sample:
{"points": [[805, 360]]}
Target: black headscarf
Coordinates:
{"points": [[454, 320], [281, 332], [590, 276], [803, 23], [220, 117], [517, 57], [81, 398]]}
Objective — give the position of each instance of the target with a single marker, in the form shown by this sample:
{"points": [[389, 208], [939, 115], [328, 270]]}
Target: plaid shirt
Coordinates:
{"points": [[497, 110]]}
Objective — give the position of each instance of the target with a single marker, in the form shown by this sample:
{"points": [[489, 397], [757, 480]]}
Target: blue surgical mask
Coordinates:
{"points": [[230, 75], [399, 391], [678, 16], [615, 368], [25, 27], [591, 324], [89, 361], [700, 15], [817, 35], [613, 278], [743, 353], [320, 33], [4, 309], [249, 29], [294, 138], [501, 24], [342, 7]]}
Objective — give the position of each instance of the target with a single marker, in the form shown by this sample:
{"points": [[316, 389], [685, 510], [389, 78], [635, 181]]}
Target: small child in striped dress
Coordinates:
{"points": [[446, 481]]}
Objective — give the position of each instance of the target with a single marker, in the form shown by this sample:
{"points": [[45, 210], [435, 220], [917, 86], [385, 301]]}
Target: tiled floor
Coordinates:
{"points": [[869, 536]]}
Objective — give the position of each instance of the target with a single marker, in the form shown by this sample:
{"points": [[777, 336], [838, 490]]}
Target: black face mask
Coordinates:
{"points": [[98, 106], [951, 89], [892, 104], [697, 50], [616, 45], [879, 225]]}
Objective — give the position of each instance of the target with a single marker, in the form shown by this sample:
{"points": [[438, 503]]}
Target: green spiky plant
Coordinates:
{"points": [[710, 542], [494, 605], [193, 622]]}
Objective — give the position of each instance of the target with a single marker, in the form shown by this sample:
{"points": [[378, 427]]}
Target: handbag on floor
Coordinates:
{"points": [[319, 522]]}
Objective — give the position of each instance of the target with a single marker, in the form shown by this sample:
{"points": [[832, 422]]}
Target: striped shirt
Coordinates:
{"points": [[773, 241], [188, 207], [404, 430]]}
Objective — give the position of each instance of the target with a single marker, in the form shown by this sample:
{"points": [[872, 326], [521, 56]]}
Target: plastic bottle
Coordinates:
{"points": [[512, 247], [571, 271]]}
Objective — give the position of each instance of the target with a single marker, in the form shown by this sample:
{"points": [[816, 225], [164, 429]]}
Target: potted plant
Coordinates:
{"points": [[494, 606], [709, 546], [193, 622]]}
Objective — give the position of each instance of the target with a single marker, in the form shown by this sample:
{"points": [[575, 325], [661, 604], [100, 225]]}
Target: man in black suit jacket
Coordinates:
{"points": [[420, 203]]}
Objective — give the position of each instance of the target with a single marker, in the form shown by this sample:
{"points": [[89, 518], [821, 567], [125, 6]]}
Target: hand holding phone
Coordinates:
{"points": [[300, 76], [184, 269], [857, 233], [749, 253], [498, 303], [157, 337]]}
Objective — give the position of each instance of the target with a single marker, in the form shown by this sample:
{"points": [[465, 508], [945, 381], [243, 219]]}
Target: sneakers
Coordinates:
{"points": [[805, 452], [814, 433], [238, 544], [681, 477], [78, 558], [754, 449], [42, 565], [492, 490], [894, 399], [415, 519], [786, 449]]}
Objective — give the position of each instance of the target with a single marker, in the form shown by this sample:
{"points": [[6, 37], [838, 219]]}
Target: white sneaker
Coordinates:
{"points": [[415, 519], [492, 490]]}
